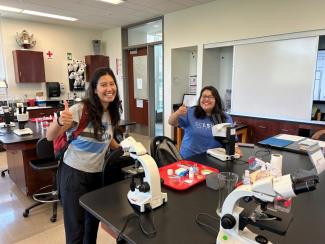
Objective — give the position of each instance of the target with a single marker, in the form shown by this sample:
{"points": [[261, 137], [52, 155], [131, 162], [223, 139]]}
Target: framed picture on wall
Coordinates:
{"points": [[192, 84]]}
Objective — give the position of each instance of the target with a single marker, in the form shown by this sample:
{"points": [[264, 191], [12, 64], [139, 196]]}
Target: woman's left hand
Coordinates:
{"points": [[238, 151]]}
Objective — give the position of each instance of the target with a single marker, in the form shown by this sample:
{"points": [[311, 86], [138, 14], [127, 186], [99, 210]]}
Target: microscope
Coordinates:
{"points": [[264, 191], [147, 195], [22, 118], [7, 115], [226, 134]]}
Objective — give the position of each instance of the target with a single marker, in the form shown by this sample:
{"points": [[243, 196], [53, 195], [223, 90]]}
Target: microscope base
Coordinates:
{"points": [[243, 237], [220, 154], [23, 132], [140, 200]]}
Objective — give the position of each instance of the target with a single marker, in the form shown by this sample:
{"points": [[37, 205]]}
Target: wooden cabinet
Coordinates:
{"points": [[288, 128], [29, 66], [263, 129], [260, 129], [94, 62]]}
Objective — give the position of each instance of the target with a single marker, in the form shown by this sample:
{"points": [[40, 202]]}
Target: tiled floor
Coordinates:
{"points": [[37, 228]]}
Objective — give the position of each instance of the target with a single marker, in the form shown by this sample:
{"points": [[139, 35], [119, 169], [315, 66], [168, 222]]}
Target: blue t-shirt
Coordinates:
{"points": [[197, 133]]}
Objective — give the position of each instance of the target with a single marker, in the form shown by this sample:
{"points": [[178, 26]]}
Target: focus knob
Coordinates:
{"points": [[228, 221], [144, 187]]}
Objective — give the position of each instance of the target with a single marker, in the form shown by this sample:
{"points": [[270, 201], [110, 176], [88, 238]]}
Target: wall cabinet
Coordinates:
{"points": [[94, 62], [29, 66]]}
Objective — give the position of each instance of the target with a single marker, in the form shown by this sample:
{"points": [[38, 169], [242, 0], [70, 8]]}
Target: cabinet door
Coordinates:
{"points": [[94, 62], [288, 128], [264, 129], [29, 66]]}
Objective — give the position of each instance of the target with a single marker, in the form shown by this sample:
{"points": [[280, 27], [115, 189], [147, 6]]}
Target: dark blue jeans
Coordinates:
{"points": [[80, 226]]}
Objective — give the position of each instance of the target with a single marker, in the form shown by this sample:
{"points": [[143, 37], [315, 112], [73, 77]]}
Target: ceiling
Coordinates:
{"points": [[96, 14]]}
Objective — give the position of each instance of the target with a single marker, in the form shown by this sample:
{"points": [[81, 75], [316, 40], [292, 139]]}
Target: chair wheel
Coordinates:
{"points": [[26, 213], [53, 219]]}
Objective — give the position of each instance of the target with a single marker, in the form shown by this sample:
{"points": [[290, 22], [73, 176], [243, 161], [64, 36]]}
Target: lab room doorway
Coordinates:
{"points": [[143, 72], [138, 89], [145, 89]]}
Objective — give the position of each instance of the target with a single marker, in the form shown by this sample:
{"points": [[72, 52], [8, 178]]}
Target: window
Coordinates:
{"points": [[146, 33]]}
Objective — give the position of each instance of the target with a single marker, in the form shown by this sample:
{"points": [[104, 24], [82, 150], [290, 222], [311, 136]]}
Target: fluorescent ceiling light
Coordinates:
{"points": [[54, 16], [10, 9], [113, 1]]}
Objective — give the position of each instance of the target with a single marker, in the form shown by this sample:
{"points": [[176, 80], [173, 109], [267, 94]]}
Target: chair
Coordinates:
{"points": [[163, 150], [3, 172], [45, 161], [319, 135], [112, 168]]}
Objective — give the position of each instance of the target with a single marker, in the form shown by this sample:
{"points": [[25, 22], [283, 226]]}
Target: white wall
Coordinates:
{"points": [[217, 68], [227, 20], [55, 38], [113, 43]]}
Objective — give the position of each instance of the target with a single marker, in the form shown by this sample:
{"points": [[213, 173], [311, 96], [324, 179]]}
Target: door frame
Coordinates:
{"points": [[150, 75], [151, 84]]}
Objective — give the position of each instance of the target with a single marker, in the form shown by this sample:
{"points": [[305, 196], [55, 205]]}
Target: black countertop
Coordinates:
{"points": [[175, 221], [7, 136]]}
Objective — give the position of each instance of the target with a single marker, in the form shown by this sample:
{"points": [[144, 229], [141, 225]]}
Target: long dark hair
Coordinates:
{"points": [[94, 106], [218, 107]]}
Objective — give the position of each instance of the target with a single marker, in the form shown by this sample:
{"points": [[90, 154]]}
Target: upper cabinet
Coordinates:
{"points": [[29, 66], [94, 62]]}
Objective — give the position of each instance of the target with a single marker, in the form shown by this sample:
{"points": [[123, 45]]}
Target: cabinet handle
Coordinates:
{"points": [[19, 73], [261, 126], [285, 130]]}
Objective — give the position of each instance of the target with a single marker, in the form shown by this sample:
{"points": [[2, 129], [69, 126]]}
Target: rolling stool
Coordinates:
{"points": [[3, 172], [45, 161]]}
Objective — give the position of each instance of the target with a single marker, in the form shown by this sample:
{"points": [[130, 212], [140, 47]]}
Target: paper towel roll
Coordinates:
{"points": [[276, 164]]}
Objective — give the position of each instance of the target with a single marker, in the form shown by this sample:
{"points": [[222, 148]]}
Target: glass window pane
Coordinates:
{"points": [[146, 33], [159, 86]]}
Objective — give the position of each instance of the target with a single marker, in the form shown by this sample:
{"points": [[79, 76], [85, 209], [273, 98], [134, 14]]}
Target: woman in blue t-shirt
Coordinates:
{"points": [[197, 122]]}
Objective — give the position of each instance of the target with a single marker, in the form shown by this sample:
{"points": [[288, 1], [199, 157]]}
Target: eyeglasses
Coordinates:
{"points": [[207, 98]]}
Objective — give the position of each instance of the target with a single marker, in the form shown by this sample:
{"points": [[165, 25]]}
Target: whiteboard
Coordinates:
{"points": [[275, 79]]}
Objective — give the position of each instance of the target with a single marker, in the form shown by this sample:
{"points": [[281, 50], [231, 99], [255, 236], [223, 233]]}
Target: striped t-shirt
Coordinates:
{"points": [[86, 153]]}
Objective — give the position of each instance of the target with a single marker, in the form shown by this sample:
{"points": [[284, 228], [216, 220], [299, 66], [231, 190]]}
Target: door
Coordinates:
{"points": [[138, 89]]}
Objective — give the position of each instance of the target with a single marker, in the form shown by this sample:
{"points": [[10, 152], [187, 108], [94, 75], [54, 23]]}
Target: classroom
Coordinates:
{"points": [[264, 57]]}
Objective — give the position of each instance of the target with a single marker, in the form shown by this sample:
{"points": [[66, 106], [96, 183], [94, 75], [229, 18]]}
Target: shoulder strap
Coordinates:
{"points": [[82, 123]]}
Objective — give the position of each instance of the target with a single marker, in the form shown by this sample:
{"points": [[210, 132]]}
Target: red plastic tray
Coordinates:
{"points": [[183, 183]]}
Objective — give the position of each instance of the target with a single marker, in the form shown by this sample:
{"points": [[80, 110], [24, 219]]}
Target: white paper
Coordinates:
{"points": [[318, 160], [139, 83], [139, 103], [320, 143], [290, 137]]}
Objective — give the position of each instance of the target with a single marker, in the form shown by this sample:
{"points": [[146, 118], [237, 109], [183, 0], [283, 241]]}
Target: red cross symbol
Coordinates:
{"points": [[49, 54]]}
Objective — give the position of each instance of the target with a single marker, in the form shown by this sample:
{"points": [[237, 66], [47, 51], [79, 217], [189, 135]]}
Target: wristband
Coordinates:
{"points": [[58, 121]]}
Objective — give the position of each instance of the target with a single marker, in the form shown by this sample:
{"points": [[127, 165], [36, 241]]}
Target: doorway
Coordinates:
{"points": [[138, 89]]}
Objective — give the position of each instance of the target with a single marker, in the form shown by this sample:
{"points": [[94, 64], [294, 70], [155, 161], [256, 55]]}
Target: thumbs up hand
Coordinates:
{"points": [[65, 118], [182, 110]]}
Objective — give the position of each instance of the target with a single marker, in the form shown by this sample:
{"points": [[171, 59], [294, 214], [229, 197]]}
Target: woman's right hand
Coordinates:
{"points": [[66, 116], [182, 110]]}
